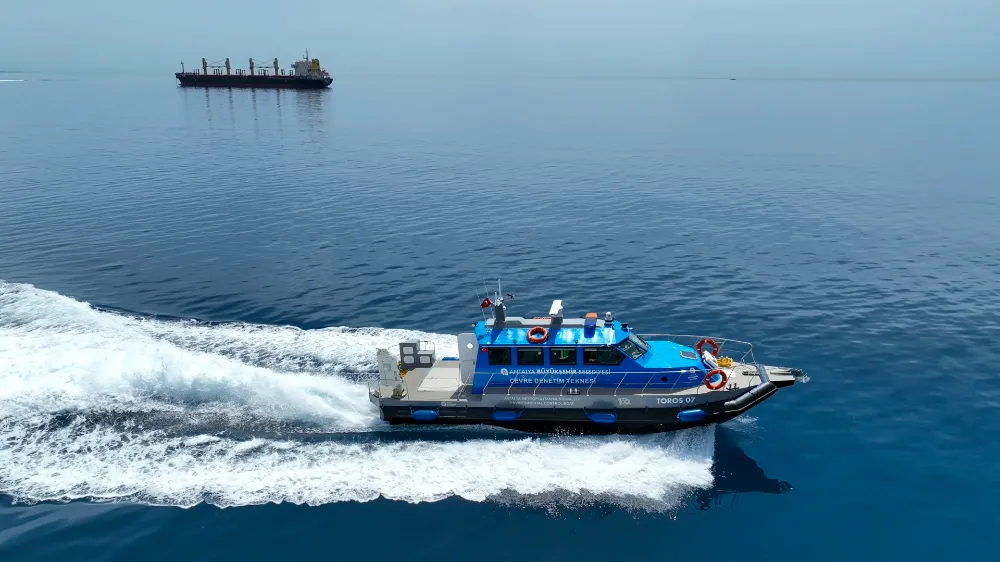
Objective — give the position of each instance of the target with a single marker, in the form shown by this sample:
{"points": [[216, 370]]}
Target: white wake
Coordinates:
{"points": [[100, 405]]}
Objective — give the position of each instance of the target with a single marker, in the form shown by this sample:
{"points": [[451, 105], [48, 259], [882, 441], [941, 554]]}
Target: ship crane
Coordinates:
{"points": [[260, 63], [218, 65]]}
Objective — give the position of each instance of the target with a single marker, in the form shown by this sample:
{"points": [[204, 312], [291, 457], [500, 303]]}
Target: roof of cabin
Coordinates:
{"points": [[571, 331]]}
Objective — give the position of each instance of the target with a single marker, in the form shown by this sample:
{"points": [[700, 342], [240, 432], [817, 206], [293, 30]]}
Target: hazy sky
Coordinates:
{"points": [[764, 38]]}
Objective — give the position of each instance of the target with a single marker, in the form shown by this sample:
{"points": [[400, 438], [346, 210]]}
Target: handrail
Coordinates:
{"points": [[720, 340], [510, 385], [694, 336], [563, 389], [678, 371], [647, 384]]}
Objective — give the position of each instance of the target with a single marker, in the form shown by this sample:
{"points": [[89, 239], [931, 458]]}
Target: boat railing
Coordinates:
{"points": [[743, 349], [509, 384], [375, 386]]}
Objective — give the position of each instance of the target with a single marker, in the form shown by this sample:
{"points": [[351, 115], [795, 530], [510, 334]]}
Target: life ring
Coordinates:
{"points": [[709, 341], [538, 334], [718, 385]]}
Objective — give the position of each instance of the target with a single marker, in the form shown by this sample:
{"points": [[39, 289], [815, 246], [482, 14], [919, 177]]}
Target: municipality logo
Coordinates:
{"points": [[504, 371]]}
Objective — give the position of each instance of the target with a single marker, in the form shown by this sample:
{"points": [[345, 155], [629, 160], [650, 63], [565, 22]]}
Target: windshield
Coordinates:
{"points": [[639, 342], [631, 348]]}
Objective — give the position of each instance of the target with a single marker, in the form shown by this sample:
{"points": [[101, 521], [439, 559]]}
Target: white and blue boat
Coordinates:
{"points": [[577, 375]]}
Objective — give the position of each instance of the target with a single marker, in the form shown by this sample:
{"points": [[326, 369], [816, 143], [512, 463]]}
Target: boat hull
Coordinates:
{"points": [[193, 80], [577, 420], [572, 427]]}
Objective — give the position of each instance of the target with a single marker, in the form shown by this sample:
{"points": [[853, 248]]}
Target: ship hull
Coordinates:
{"points": [[577, 420], [568, 426], [193, 80]]}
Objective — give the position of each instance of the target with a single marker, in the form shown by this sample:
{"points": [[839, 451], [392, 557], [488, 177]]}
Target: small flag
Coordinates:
{"points": [[486, 303]]}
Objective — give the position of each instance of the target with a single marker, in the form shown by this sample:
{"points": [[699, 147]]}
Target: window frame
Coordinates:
{"points": [[638, 340], [489, 355], [629, 354], [606, 348], [574, 355], [541, 355]]}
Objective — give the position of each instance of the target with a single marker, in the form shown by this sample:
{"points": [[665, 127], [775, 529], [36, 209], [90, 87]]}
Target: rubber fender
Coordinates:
{"points": [[506, 415], [424, 415], [756, 393], [602, 417], [740, 402], [691, 415], [763, 390]]}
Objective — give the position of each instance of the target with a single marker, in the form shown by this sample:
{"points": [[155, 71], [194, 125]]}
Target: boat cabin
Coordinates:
{"points": [[587, 353]]}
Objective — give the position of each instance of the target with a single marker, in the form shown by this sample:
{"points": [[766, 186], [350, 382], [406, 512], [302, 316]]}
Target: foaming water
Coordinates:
{"points": [[60, 354], [108, 406]]}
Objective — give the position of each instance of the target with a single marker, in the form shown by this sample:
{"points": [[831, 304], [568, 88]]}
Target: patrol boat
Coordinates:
{"points": [[573, 375]]}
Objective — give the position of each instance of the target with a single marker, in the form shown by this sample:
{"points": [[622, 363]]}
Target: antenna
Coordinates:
{"points": [[499, 310]]}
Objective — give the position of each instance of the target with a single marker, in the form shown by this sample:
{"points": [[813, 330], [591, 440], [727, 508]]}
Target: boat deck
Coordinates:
{"points": [[443, 382]]}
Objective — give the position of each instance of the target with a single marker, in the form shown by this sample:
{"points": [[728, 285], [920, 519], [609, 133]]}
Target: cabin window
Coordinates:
{"points": [[562, 356], [530, 356], [637, 340], [499, 356], [602, 356], [630, 347]]}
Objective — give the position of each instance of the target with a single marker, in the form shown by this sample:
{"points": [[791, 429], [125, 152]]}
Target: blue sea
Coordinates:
{"points": [[193, 284]]}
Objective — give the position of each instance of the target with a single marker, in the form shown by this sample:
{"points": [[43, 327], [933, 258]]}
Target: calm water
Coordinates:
{"points": [[194, 283]]}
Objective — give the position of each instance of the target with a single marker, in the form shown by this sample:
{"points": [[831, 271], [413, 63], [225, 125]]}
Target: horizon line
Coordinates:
{"points": [[546, 76]]}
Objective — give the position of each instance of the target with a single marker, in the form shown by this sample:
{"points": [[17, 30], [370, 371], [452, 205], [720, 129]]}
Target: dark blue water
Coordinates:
{"points": [[194, 283]]}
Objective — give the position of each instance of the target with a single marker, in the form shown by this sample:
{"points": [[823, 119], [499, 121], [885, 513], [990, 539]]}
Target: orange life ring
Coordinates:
{"points": [[709, 341], [538, 334], [718, 385]]}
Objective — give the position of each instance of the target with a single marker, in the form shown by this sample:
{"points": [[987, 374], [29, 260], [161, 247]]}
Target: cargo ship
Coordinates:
{"points": [[304, 74]]}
